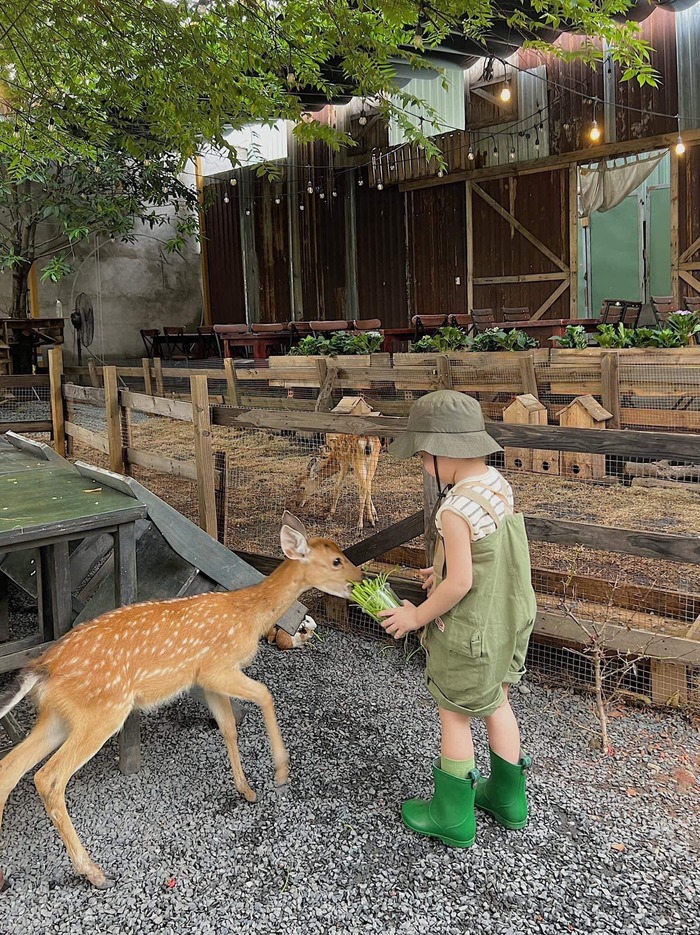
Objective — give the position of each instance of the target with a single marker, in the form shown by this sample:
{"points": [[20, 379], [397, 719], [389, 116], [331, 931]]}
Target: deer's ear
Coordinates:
{"points": [[289, 519], [293, 542]]}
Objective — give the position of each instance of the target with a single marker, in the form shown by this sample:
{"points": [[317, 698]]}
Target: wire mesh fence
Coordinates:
{"points": [[25, 404]]}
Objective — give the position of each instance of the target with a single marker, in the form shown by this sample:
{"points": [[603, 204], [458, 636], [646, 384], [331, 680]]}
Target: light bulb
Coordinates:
{"points": [[52, 124], [334, 193], [362, 118], [301, 207], [512, 152], [234, 182], [470, 154], [291, 77], [322, 195], [247, 211], [440, 173], [537, 142], [680, 146], [226, 199], [505, 94], [15, 132], [310, 189], [112, 237], [380, 186], [278, 200], [360, 181], [495, 151], [594, 132]]}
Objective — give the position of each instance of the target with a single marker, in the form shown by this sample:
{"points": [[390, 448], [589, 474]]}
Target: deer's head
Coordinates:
{"points": [[324, 565]]}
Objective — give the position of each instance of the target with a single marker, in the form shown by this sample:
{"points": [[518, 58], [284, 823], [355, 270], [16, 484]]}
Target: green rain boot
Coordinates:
{"points": [[503, 793], [449, 815]]}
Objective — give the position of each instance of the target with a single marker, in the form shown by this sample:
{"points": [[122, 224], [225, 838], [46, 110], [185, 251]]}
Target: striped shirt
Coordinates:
{"points": [[493, 487]]}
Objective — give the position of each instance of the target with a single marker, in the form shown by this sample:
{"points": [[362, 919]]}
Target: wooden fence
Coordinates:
{"points": [[672, 658]]}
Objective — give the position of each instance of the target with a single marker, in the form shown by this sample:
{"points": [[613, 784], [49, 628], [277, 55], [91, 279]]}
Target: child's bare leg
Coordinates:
{"points": [[457, 741], [503, 731]]}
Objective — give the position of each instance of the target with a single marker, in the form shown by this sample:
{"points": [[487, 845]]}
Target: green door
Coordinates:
{"points": [[616, 253], [659, 240]]}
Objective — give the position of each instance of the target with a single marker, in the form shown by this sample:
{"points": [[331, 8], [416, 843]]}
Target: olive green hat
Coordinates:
{"points": [[447, 424]]}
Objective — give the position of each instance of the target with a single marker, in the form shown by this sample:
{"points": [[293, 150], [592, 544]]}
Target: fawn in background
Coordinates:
{"points": [[142, 655], [340, 454]]}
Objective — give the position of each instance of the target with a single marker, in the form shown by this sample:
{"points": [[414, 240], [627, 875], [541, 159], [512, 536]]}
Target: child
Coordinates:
{"points": [[478, 619]]}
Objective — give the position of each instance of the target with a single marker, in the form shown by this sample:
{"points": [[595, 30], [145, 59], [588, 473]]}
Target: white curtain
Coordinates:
{"points": [[606, 185]]}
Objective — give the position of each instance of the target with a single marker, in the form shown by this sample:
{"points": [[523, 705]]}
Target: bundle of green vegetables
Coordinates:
{"points": [[375, 594]]}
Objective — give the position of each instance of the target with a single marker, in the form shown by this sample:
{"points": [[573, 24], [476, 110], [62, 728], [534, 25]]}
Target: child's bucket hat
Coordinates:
{"points": [[446, 424]]}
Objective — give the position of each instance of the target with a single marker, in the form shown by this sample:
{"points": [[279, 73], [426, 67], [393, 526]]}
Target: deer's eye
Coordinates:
{"points": [[337, 562]]}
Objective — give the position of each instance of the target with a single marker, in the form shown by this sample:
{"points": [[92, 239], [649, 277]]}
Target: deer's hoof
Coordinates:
{"points": [[249, 795], [5, 882], [100, 880]]}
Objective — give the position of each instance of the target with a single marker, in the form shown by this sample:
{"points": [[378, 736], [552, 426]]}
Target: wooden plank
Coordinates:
{"points": [[683, 420], [690, 279], [114, 422], [470, 244], [18, 658], [221, 476], [147, 380], [381, 542], [529, 377], [155, 405], [507, 216], [444, 373], [573, 241], [4, 608], [87, 437], [83, 394], [42, 426], [548, 303], [675, 226], [669, 683], [204, 455], [524, 277], [94, 376], [610, 379], [232, 394], [327, 378], [154, 462], [23, 380], [689, 251], [57, 412]]}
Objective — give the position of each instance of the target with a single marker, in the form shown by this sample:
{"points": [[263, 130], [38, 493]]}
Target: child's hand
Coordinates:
{"points": [[401, 620], [429, 576]]}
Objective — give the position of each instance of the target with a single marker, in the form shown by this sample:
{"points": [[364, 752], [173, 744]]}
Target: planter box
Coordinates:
{"points": [[308, 373]]}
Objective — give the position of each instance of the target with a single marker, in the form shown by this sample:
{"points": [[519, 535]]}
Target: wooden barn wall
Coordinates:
{"points": [[272, 250], [224, 255], [438, 249], [381, 255], [540, 203], [689, 211]]}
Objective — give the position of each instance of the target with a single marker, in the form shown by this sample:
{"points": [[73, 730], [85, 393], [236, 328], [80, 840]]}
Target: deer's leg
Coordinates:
{"points": [[220, 707], [342, 474], [82, 744], [361, 482], [236, 684], [373, 516]]}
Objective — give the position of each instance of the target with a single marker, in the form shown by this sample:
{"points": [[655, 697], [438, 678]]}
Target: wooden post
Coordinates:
{"points": [[147, 380], [669, 683], [58, 417], [444, 373], [4, 609], [221, 495], [675, 225], [470, 246], [203, 453], [526, 362], [327, 375], [94, 375], [125, 418], [573, 240], [158, 367], [430, 495], [233, 397], [126, 592], [114, 422], [610, 377]]}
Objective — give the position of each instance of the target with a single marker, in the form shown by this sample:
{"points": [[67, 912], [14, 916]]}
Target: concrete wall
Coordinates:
{"points": [[132, 286]]}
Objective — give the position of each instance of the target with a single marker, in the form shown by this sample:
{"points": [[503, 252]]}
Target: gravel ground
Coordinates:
{"points": [[612, 845]]}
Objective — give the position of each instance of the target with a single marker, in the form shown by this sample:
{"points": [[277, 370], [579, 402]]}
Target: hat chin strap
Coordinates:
{"points": [[442, 491]]}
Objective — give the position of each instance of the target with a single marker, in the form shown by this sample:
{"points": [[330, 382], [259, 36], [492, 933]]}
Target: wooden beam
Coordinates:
{"points": [[675, 225], [147, 381], [526, 362], [507, 216], [154, 462], [390, 538], [470, 244], [547, 304], [610, 378], [203, 246], [690, 279], [232, 394], [20, 380], [204, 455], [84, 394], [57, 411], [689, 251], [114, 422], [573, 241], [87, 437], [548, 163], [158, 406], [42, 426], [525, 277]]}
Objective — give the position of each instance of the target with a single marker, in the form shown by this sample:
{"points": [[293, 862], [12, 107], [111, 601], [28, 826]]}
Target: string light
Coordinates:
{"points": [[247, 211], [360, 179], [226, 199], [234, 182], [309, 183], [301, 206], [380, 186], [362, 119], [594, 131], [322, 195], [470, 153], [495, 150], [505, 94], [15, 132], [278, 200], [680, 145], [334, 193], [52, 124]]}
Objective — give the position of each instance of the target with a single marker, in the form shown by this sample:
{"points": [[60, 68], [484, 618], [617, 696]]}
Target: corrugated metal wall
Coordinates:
{"points": [[437, 249], [382, 285], [224, 255]]}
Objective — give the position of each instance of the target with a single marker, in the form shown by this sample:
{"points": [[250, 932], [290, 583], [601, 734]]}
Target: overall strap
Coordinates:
{"points": [[439, 559]]}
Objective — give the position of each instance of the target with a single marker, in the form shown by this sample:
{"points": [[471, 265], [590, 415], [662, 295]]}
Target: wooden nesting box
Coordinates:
{"points": [[524, 410], [353, 406], [584, 412]]}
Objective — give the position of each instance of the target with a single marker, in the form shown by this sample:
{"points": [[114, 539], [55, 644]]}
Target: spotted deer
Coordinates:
{"points": [[338, 456], [140, 656]]}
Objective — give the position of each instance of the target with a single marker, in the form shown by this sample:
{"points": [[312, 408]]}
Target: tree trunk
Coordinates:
{"points": [[20, 291]]}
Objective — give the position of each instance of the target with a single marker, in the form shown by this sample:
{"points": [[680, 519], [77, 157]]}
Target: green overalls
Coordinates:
{"points": [[481, 643]]}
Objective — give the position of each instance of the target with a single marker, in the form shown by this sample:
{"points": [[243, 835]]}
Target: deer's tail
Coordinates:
{"points": [[11, 698]]}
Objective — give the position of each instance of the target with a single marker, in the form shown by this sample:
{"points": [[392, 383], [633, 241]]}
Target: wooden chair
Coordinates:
{"points": [[611, 311], [516, 314], [662, 306], [367, 324], [325, 327], [630, 316], [211, 346], [176, 345], [150, 336], [482, 318], [237, 329], [427, 324], [692, 303], [280, 330], [465, 322], [298, 330]]}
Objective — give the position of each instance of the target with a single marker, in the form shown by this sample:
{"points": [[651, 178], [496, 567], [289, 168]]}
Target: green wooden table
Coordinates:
{"points": [[44, 505]]}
